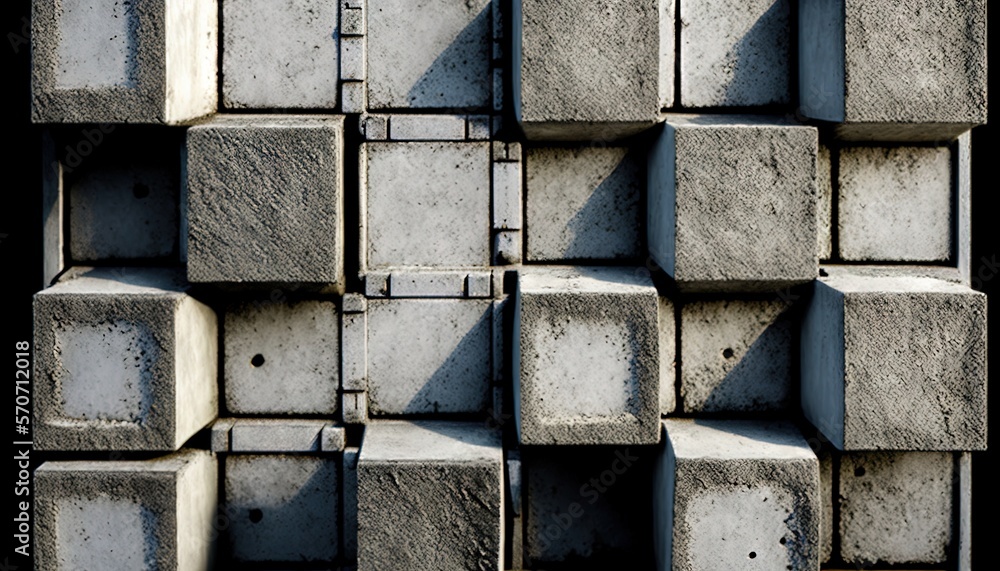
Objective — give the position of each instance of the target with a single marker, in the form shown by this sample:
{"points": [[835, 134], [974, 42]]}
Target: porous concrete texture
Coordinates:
{"points": [[736, 356], [280, 55], [734, 53], [583, 203], [442, 482], [265, 200], [895, 363], [896, 507], [732, 202], [856, 68], [895, 204], [826, 497], [589, 69], [732, 494], [284, 507], [586, 356], [277, 435], [127, 514], [112, 61], [824, 183], [281, 357], [125, 360]]}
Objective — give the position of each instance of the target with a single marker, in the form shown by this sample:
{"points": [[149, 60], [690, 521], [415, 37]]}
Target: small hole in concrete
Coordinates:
{"points": [[859, 471], [753, 554], [782, 541], [257, 360], [256, 515], [822, 273], [728, 353], [140, 190]]}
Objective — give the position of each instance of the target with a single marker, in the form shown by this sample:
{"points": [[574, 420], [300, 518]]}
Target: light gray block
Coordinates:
{"points": [[479, 284], [826, 497], [586, 356], [354, 303], [928, 84], [353, 97], [375, 127], [962, 156], [350, 505], [352, 58], [442, 483], [427, 283], [964, 558], [824, 183], [734, 53], [736, 355], [479, 127], [427, 127], [735, 494], [582, 203], [895, 204], [352, 17], [754, 177], [506, 194], [124, 360], [99, 61], [429, 356], [668, 356], [332, 439], [942, 273], [276, 435], [280, 55], [126, 515], [377, 284], [285, 507], [507, 247], [354, 351], [220, 434], [895, 363], [444, 62], [265, 200], [354, 407]]}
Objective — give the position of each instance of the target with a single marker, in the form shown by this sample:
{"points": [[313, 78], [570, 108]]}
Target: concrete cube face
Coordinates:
{"points": [[586, 356], [282, 358], [284, 507], [895, 363], [265, 200], [108, 61], [583, 203], [755, 179], [444, 62], [128, 362]]}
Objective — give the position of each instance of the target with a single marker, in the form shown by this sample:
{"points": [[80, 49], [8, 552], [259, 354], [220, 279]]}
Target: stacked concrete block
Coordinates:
{"points": [[123, 62], [352, 56], [508, 218], [126, 360]]}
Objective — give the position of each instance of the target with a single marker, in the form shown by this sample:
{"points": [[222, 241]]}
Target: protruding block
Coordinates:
{"points": [[354, 350], [125, 360], [732, 203], [332, 439], [127, 515], [442, 483], [895, 363], [220, 434], [427, 127], [354, 407], [586, 356], [265, 200], [507, 247], [277, 435], [824, 184], [734, 494], [668, 356], [506, 194]]}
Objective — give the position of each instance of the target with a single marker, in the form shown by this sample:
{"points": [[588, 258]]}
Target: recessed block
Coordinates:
{"points": [[126, 360], [732, 203]]}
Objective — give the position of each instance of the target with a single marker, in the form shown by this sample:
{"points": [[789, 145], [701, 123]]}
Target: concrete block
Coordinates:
{"points": [[753, 176], [586, 356], [265, 200], [353, 97], [220, 434], [735, 494], [896, 507], [479, 127], [583, 203], [281, 357], [429, 356], [964, 557], [124, 360], [928, 84], [349, 470], [589, 70], [354, 407], [376, 284], [734, 53], [736, 355], [824, 183], [332, 439], [126, 515], [942, 273], [425, 204], [668, 356], [354, 303], [444, 62], [442, 482], [507, 247], [443, 283], [277, 435], [285, 507], [479, 284], [427, 127], [506, 195], [506, 151], [895, 204], [826, 497], [895, 363], [375, 127], [352, 58], [352, 18], [281, 55], [354, 351], [97, 61]]}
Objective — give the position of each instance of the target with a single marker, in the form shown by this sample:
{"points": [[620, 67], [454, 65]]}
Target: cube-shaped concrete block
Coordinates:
{"points": [[123, 62], [736, 355], [586, 356], [589, 69], [732, 494], [895, 204], [282, 357], [127, 515], [734, 52], [280, 55], [433, 54], [895, 363], [430, 495], [285, 507], [125, 360], [583, 203], [732, 203], [265, 200], [927, 84]]}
